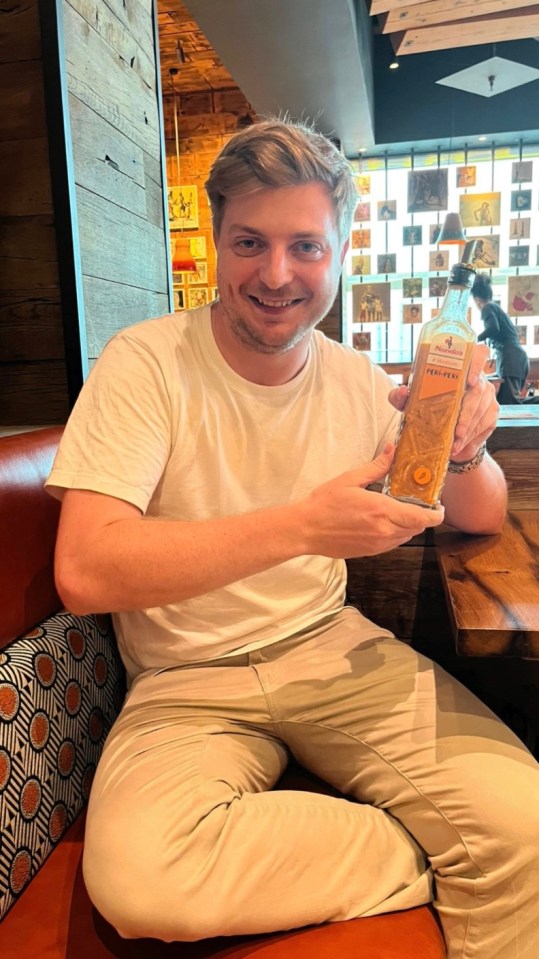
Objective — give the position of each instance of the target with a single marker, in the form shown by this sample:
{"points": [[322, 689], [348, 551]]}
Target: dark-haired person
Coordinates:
{"points": [[512, 363], [215, 471]]}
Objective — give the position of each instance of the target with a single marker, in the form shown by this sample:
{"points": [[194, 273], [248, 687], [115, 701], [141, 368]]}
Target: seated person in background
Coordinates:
{"points": [[512, 364], [215, 473]]}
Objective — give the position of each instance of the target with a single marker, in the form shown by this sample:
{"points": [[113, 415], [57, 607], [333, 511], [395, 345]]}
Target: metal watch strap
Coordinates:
{"points": [[469, 465]]}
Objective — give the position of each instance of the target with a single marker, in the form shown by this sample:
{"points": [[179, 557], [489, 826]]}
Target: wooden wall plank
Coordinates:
{"points": [[19, 31], [441, 11], [31, 325], [33, 393], [23, 105], [119, 246], [124, 29], [24, 175], [112, 306], [98, 76], [520, 25]]}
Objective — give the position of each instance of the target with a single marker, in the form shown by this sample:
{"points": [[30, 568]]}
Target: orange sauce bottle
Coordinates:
{"points": [[438, 381]]}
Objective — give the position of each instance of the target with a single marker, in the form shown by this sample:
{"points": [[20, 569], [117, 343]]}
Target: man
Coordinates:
{"points": [[215, 470], [512, 364]]}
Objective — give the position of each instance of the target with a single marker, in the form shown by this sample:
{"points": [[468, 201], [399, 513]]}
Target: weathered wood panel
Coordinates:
{"points": [[24, 165], [22, 89], [112, 306], [19, 32], [119, 246], [31, 325], [33, 393], [113, 80]]}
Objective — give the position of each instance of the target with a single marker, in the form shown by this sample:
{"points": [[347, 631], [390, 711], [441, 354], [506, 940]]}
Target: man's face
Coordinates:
{"points": [[278, 265]]}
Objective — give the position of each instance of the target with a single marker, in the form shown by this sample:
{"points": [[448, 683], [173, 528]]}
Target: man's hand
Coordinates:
{"points": [[343, 519], [479, 412]]}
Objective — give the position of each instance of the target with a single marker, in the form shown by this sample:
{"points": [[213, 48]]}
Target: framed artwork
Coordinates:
{"points": [[437, 285], [387, 263], [522, 171], [200, 275], [371, 303], [361, 341], [466, 176], [179, 299], [182, 207], [434, 232], [412, 235], [178, 279], [361, 265], [536, 336], [197, 245], [387, 209], [214, 293], [521, 200], [361, 239], [412, 287], [362, 213], [197, 297], [519, 255], [520, 228], [427, 190], [439, 260], [523, 295], [480, 209], [412, 313], [363, 184], [521, 332], [487, 251]]}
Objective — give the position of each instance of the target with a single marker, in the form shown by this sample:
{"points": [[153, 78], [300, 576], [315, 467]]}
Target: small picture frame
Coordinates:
{"points": [[521, 200], [412, 313], [362, 213], [434, 232], [412, 287], [387, 263], [439, 260], [182, 207], [179, 299], [412, 235], [361, 341], [178, 279], [521, 332], [197, 296], [519, 255], [361, 265], [522, 171], [200, 275], [466, 176], [387, 209], [197, 245], [361, 240], [437, 285], [520, 228], [363, 184]]}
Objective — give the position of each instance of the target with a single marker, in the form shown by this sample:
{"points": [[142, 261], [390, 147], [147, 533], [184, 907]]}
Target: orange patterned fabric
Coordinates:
{"points": [[61, 687]]}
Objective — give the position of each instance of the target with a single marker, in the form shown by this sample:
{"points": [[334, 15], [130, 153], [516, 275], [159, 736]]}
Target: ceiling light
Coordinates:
{"points": [[394, 65], [490, 77]]}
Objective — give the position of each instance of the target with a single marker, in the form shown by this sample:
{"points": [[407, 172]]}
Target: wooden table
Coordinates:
{"points": [[492, 587]]}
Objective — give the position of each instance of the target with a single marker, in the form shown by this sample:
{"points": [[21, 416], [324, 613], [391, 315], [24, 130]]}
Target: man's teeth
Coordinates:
{"points": [[277, 304]]}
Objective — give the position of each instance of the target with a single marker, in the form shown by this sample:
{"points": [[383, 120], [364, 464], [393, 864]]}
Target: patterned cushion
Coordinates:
{"points": [[61, 687]]}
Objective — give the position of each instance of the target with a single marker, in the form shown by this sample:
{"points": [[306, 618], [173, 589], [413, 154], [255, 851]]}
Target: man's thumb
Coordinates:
{"points": [[375, 471]]}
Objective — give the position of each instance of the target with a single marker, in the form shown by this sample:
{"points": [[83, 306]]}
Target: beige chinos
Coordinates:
{"points": [[185, 840]]}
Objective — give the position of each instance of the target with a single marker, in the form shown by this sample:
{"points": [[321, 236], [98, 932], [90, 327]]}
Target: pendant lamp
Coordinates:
{"points": [[182, 258], [452, 230]]}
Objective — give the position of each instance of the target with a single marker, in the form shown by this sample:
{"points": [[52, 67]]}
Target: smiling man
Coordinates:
{"points": [[215, 476]]}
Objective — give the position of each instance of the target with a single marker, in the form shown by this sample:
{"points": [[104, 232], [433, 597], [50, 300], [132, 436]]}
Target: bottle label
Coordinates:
{"points": [[444, 364]]}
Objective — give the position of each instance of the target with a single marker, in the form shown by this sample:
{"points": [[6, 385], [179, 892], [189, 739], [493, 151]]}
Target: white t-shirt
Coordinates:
{"points": [[165, 424]]}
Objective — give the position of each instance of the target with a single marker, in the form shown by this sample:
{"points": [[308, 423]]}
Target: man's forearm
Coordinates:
{"points": [[476, 502]]}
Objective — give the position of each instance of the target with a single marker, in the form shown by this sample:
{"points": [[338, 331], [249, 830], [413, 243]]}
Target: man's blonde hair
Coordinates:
{"points": [[277, 153]]}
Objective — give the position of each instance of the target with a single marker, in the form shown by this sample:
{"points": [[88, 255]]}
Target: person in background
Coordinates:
{"points": [[215, 475], [512, 363]]}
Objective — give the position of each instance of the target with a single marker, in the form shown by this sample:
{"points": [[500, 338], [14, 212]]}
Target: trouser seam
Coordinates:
{"points": [[384, 759]]}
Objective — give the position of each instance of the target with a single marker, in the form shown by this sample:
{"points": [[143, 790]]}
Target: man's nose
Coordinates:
{"points": [[276, 268]]}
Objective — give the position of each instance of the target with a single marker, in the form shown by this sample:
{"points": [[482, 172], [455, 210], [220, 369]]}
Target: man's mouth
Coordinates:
{"points": [[269, 304]]}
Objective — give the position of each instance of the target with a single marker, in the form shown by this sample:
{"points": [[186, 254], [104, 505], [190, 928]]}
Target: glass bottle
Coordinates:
{"points": [[439, 375]]}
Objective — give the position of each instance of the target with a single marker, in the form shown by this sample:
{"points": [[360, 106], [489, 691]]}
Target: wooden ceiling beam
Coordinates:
{"points": [[426, 14], [383, 6], [519, 25]]}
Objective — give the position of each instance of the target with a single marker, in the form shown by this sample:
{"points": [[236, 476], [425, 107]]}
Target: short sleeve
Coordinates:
{"points": [[118, 437]]}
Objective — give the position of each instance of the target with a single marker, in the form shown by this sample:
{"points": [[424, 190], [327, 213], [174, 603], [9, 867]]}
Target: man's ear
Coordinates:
{"points": [[344, 250]]}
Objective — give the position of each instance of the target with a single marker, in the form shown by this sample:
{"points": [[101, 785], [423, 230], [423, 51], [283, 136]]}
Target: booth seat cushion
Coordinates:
{"points": [[61, 687], [55, 920]]}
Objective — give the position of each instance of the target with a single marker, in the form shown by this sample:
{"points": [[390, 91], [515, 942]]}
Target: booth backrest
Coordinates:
{"points": [[28, 521]]}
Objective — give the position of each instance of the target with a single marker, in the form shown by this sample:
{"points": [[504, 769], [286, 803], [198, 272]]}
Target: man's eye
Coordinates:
{"points": [[308, 248], [246, 246]]}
